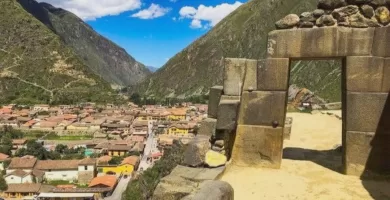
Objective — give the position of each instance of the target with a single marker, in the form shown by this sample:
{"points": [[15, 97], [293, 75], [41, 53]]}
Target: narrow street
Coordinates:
{"points": [[148, 148], [120, 188]]}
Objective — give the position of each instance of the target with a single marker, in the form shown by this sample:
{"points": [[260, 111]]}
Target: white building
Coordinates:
{"points": [[41, 107], [66, 170], [19, 176], [25, 163]]}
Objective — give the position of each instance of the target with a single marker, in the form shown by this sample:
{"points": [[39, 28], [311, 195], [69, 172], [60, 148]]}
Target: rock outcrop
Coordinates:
{"points": [[189, 183], [356, 14]]}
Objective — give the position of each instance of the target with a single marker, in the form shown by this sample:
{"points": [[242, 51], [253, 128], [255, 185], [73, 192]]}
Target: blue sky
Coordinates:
{"points": [[152, 31]]}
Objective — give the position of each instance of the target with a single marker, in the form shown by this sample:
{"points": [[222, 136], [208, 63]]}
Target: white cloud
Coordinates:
{"points": [[209, 14], [92, 9], [154, 11], [196, 23]]}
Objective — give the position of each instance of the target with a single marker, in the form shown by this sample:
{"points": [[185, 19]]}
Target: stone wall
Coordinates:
{"points": [[249, 110], [84, 177], [241, 112]]}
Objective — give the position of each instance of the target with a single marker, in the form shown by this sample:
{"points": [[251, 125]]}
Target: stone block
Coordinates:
{"points": [[273, 74], [366, 111], [320, 42], [214, 98], [381, 42], [233, 77], [262, 108], [367, 153], [364, 74], [213, 190], [287, 132], [386, 76], [208, 127], [196, 151], [250, 82], [227, 114], [185, 181], [226, 97], [258, 146]]}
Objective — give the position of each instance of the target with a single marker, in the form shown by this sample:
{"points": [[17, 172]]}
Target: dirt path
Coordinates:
{"points": [[309, 168]]}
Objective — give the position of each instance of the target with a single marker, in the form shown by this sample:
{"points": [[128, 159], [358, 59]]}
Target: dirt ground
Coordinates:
{"points": [[310, 168]]}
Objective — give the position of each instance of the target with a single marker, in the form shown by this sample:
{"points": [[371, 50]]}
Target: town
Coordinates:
{"points": [[86, 151]]}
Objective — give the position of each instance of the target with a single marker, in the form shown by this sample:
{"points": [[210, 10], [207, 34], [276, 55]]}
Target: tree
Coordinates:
{"points": [[61, 148], [134, 153], [6, 163], [3, 184], [54, 155], [136, 98], [37, 150], [115, 161], [21, 152]]}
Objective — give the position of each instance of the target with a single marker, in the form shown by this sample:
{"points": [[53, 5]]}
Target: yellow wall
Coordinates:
{"points": [[177, 131], [18, 195], [116, 153], [125, 169], [177, 117]]}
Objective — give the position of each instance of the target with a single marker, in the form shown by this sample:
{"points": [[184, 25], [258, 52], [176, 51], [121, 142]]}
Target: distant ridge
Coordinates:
{"points": [[102, 56]]}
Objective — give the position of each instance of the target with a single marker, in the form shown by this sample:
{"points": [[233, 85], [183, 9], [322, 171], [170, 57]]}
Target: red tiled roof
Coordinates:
{"points": [[106, 180], [3, 157], [22, 163], [131, 160]]}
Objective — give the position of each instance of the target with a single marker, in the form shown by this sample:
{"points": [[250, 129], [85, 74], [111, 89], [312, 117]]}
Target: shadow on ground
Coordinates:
{"points": [[330, 159]]}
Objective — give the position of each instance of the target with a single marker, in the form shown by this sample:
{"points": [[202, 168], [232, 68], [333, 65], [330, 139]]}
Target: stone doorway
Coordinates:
{"points": [[313, 126], [257, 91]]}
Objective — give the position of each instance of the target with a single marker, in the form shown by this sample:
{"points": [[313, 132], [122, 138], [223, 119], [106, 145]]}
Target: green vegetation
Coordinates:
{"points": [[142, 188], [54, 136], [3, 184], [167, 101], [62, 152], [7, 134], [34, 134], [37, 67], [242, 34], [58, 182], [98, 53]]}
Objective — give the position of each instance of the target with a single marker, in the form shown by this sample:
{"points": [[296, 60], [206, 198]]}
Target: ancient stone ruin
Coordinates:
{"points": [[249, 111], [347, 13]]}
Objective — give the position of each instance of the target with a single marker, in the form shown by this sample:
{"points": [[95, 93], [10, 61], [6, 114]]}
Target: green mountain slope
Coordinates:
{"points": [[242, 34], [37, 67], [104, 57]]}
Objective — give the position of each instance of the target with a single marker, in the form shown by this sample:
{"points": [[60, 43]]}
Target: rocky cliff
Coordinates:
{"points": [[102, 56], [242, 34]]}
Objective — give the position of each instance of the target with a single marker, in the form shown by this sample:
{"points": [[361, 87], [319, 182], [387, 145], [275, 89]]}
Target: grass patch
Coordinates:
{"points": [[58, 182], [53, 136]]}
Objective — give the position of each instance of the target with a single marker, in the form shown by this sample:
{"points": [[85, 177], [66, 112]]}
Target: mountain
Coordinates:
{"points": [[104, 57], [242, 34], [152, 69], [37, 67]]}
